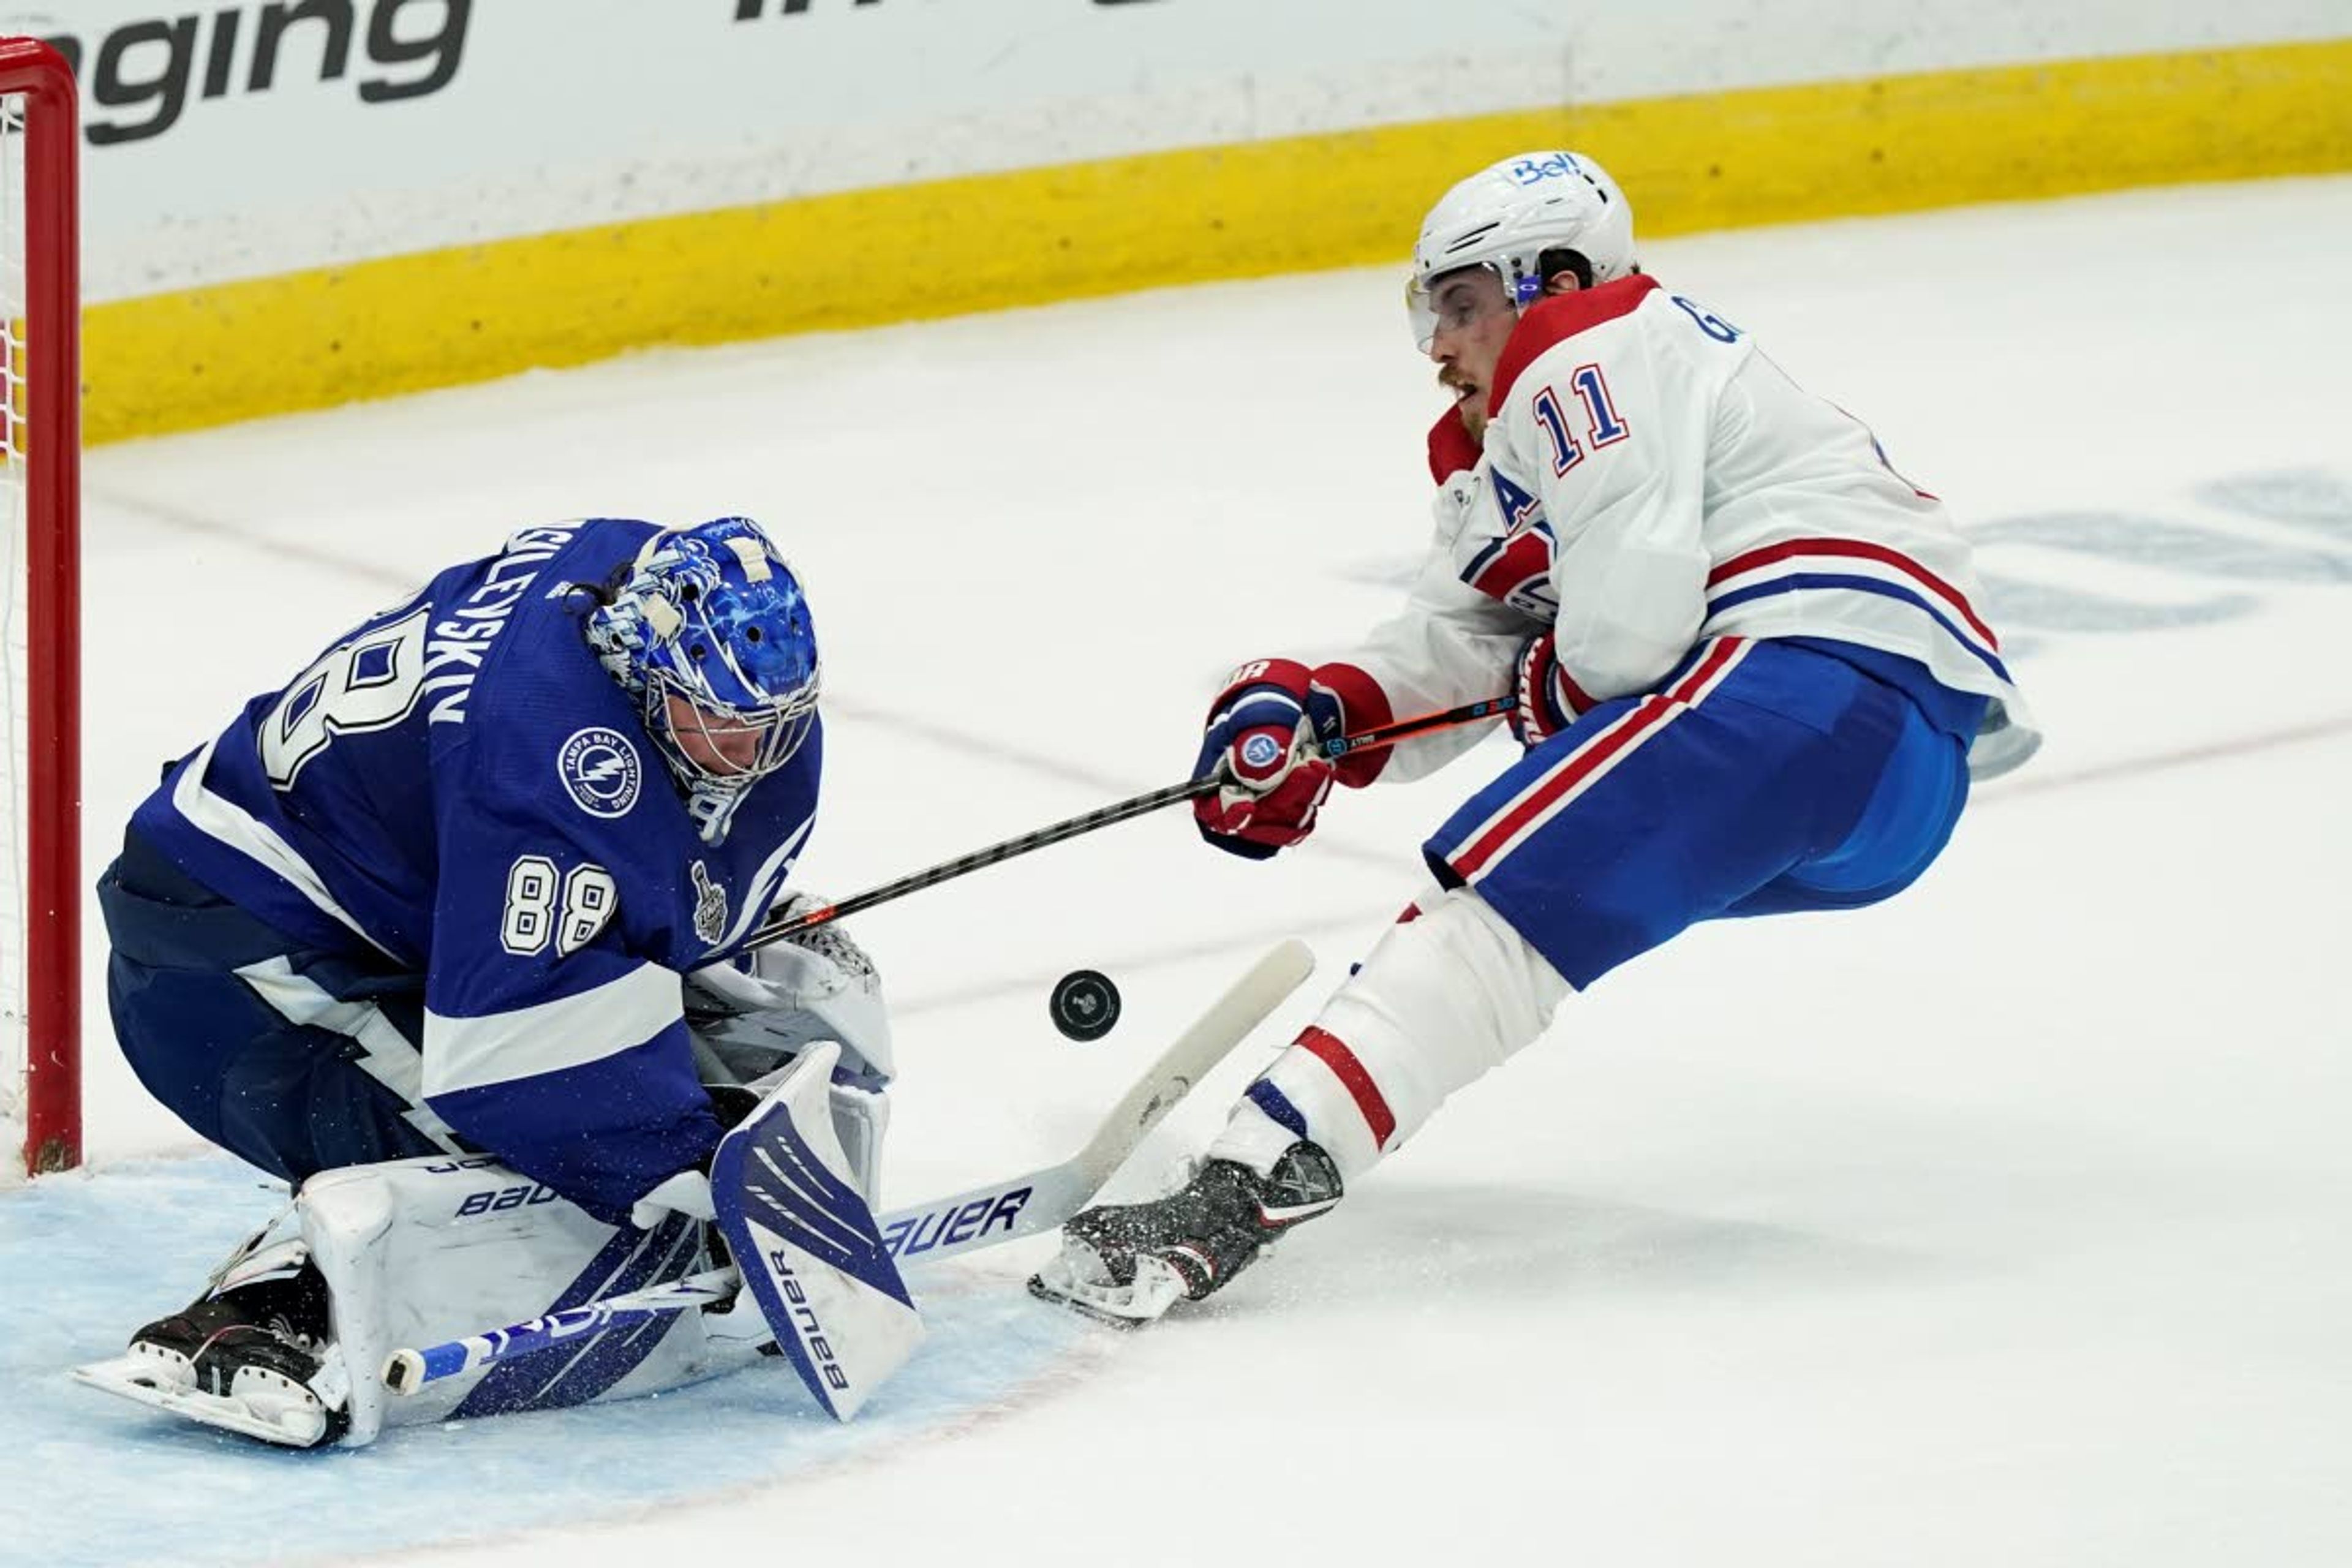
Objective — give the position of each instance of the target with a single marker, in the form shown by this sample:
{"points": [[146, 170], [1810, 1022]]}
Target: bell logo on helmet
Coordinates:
{"points": [[1535, 171], [600, 772]]}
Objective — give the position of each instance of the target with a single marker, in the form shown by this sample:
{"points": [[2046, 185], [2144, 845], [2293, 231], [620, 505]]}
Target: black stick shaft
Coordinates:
{"points": [[776, 928]]}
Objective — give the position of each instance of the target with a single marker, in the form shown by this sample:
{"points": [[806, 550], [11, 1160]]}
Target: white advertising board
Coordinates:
{"points": [[248, 138]]}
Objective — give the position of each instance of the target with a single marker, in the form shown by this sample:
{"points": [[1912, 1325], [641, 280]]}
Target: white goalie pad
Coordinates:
{"points": [[813, 1259], [417, 1251]]}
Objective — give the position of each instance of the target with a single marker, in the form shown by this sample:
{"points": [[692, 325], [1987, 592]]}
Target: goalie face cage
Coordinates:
{"points": [[40, 446]]}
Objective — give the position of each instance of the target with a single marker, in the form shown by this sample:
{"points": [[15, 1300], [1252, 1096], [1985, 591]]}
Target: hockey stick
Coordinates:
{"points": [[777, 928], [950, 1226]]}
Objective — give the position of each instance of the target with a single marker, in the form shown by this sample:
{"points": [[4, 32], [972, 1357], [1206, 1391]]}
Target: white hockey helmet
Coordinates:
{"points": [[1508, 214]]}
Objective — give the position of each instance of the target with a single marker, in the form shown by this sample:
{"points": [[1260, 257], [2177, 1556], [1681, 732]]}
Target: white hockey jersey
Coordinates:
{"points": [[1648, 480]]}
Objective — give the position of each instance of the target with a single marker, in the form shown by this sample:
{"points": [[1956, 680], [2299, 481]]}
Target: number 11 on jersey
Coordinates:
{"points": [[1602, 426]]}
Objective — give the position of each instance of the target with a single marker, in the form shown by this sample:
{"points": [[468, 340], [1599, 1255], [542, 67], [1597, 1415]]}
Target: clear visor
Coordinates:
{"points": [[1458, 300], [729, 746]]}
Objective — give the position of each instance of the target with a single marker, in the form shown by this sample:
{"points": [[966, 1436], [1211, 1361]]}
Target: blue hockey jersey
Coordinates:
{"points": [[460, 787]]}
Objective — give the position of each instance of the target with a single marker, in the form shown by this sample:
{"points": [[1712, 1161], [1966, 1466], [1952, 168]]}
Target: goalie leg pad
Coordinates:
{"points": [[417, 1251], [813, 1259]]}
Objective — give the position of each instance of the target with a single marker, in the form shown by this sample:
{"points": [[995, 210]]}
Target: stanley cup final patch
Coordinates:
{"points": [[709, 905], [600, 771]]}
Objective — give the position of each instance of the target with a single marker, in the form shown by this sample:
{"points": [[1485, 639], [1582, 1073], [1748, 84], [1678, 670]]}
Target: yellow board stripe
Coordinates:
{"points": [[311, 339]]}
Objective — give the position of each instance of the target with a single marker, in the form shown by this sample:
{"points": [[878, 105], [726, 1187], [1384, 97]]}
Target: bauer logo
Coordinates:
{"points": [[955, 1226], [140, 78], [500, 1200], [805, 1326], [600, 772]]}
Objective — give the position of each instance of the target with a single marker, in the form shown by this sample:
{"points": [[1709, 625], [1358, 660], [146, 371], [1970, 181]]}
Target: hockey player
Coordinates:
{"points": [[432, 895], [1750, 664]]}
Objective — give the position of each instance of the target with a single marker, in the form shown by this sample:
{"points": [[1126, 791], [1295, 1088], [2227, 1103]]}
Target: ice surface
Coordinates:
{"points": [[115, 1484], [2002, 1224]]}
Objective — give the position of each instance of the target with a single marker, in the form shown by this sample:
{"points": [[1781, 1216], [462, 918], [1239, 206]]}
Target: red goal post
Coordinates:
{"points": [[40, 449]]}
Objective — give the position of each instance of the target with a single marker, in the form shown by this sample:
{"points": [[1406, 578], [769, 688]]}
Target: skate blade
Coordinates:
{"points": [[290, 1421], [1156, 1287], [1084, 1308]]}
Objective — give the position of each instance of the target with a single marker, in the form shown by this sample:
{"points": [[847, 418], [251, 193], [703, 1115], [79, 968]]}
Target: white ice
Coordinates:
{"points": [[2004, 1223]]}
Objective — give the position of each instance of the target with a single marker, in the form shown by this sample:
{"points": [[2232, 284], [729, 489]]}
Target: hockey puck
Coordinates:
{"points": [[1085, 1004]]}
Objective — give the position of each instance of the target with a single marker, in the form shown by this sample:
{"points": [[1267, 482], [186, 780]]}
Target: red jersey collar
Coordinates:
{"points": [[1556, 318]]}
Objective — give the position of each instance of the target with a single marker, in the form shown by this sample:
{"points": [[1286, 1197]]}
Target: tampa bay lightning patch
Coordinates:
{"points": [[600, 771], [1261, 750]]}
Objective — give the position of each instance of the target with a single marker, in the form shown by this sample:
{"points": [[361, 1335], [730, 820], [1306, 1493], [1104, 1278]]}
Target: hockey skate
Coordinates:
{"points": [[253, 1358], [1128, 1264]]}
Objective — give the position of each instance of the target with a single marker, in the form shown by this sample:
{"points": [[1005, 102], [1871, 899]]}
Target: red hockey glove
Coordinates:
{"points": [[1549, 700], [1258, 742]]}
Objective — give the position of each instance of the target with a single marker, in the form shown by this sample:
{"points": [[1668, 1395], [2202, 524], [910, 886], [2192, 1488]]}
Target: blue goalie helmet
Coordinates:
{"points": [[709, 631]]}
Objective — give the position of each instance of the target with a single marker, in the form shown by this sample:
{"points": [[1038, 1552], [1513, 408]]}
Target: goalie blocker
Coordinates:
{"points": [[813, 1259]]}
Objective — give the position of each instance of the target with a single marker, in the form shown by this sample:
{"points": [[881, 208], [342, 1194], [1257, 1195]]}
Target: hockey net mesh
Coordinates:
{"points": [[14, 998]]}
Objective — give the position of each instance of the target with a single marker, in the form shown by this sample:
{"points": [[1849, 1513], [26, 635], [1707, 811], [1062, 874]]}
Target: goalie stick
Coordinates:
{"points": [[949, 1226], [778, 927]]}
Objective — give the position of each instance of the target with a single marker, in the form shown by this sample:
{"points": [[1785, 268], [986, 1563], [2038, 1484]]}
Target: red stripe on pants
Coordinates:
{"points": [[1687, 688], [1626, 733], [1565, 777]]}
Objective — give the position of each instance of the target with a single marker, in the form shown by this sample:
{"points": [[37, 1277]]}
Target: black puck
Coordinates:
{"points": [[1085, 1004]]}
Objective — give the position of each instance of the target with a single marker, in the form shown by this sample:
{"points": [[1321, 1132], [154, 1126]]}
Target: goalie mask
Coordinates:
{"points": [[1508, 216], [709, 630]]}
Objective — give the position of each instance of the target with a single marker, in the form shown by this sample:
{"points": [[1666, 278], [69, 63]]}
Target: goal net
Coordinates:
{"points": [[40, 449]]}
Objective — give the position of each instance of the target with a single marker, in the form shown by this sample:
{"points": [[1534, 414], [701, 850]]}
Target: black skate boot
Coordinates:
{"points": [[252, 1358], [1128, 1263]]}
